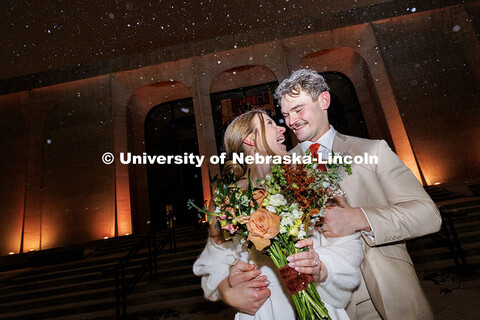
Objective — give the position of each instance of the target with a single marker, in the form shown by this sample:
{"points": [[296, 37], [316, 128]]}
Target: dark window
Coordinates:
{"points": [[344, 113], [170, 130]]}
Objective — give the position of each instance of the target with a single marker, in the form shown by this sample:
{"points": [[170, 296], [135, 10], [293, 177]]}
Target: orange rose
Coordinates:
{"points": [[262, 226], [259, 196]]}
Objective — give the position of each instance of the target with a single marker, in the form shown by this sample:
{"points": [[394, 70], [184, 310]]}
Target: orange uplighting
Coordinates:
{"points": [[31, 250], [105, 237], [437, 183], [124, 215], [127, 234], [10, 253]]}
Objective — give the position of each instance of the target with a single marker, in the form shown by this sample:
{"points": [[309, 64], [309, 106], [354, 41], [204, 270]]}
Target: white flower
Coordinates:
{"points": [[286, 221], [217, 210], [326, 184], [301, 233], [270, 208], [277, 200], [297, 214], [244, 199], [285, 214]]}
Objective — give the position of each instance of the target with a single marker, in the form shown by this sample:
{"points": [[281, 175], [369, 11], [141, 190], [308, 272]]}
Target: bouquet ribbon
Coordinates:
{"points": [[294, 280]]}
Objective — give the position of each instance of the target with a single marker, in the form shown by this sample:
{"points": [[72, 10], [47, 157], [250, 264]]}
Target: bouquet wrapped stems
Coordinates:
{"points": [[307, 301]]}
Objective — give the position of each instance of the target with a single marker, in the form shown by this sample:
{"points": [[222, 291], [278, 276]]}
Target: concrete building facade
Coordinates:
{"points": [[416, 76]]}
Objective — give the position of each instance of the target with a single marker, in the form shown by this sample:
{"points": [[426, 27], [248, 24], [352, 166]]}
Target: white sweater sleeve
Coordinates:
{"points": [[213, 265], [342, 257]]}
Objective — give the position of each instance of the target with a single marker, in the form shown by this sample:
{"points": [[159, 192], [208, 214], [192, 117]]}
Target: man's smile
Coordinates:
{"points": [[298, 127]]}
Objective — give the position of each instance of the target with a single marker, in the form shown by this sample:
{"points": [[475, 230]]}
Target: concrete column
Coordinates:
{"points": [[13, 157], [119, 98], [372, 55], [207, 144], [35, 119]]}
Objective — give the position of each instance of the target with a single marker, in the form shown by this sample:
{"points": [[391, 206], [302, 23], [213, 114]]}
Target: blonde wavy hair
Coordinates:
{"points": [[239, 129]]}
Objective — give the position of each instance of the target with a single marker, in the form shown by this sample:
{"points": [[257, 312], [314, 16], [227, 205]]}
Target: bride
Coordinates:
{"points": [[334, 263]]}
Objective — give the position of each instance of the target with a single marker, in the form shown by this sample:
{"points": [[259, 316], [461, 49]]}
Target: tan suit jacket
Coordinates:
{"points": [[398, 208]]}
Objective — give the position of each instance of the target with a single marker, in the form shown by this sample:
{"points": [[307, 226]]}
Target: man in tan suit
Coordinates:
{"points": [[385, 201]]}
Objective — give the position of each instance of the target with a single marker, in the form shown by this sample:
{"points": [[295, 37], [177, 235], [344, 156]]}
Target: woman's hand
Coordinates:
{"points": [[245, 288], [308, 262]]}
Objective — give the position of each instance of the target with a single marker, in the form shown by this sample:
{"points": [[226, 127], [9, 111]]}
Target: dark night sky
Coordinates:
{"points": [[47, 35]]}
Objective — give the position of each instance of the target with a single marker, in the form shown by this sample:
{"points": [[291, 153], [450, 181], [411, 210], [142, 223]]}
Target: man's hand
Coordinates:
{"points": [[245, 288], [243, 272], [308, 262], [342, 220], [247, 297]]}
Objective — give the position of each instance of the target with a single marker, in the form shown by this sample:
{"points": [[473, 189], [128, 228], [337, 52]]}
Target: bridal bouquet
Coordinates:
{"points": [[274, 214]]}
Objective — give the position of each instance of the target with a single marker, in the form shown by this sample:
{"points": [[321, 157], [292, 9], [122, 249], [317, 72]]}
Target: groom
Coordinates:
{"points": [[385, 201]]}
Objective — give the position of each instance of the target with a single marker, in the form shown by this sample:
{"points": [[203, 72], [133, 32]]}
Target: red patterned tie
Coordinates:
{"points": [[314, 149]]}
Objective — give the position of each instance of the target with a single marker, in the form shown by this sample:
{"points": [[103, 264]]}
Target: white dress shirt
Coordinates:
{"points": [[325, 141]]}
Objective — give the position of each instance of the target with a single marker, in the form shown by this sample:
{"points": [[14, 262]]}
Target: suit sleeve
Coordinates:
{"points": [[213, 265], [410, 212]]}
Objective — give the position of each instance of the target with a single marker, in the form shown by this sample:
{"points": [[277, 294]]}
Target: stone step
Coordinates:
{"points": [[62, 256], [192, 249], [84, 289], [439, 254], [98, 268], [184, 305], [460, 204], [427, 242], [432, 266], [463, 214], [114, 245], [104, 265], [466, 227], [184, 278], [148, 295], [37, 301], [439, 249], [172, 269]]}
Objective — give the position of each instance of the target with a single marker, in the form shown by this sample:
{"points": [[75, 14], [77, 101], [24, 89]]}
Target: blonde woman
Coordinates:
{"points": [[334, 263]]}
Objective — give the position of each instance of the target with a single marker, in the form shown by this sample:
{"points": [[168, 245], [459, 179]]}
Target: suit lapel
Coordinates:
{"points": [[340, 145]]}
